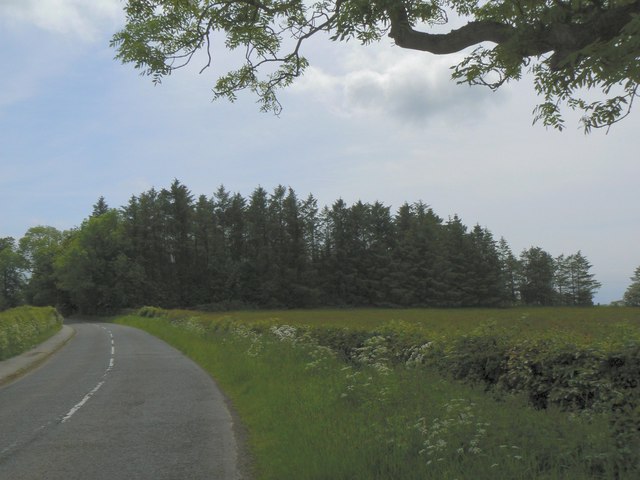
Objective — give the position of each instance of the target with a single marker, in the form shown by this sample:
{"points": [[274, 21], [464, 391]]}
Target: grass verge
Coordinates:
{"points": [[310, 415]]}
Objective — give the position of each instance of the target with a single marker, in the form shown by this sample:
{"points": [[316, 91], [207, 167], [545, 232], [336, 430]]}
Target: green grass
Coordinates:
{"points": [[24, 327], [311, 416], [583, 325]]}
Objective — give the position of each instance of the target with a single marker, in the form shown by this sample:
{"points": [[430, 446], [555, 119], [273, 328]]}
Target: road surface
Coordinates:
{"points": [[116, 403]]}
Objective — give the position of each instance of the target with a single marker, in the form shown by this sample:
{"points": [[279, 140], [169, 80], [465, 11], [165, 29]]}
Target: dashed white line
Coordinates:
{"points": [[82, 402], [86, 398]]}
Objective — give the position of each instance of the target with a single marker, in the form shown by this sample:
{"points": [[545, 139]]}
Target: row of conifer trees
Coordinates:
{"points": [[167, 248]]}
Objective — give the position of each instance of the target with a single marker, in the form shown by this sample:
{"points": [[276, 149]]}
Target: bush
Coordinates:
{"points": [[24, 327]]}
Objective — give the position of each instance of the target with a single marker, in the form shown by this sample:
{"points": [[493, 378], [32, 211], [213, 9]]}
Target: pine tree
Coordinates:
{"points": [[259, 254], [562, 281], [417, 254], [582, 284], [486, 273], [632, 294], [144, 227], [100, 207], [536, 284], [510, 273], [204, 227], [177, 210], [334, 271], [458, 280]]}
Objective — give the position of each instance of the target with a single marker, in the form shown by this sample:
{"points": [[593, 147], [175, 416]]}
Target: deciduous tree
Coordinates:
{"points": [[569, 46], [39, 248], [11, 274]]}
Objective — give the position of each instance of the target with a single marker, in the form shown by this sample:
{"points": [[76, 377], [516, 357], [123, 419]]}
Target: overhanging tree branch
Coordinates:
{"points": [[569, 46]]}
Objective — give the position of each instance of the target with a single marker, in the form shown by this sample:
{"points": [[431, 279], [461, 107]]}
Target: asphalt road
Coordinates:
{"points": [[116, 403]]}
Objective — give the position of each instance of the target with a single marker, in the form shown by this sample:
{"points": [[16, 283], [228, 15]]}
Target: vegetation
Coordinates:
{"points": [[327, 397], [632, 295], [170, 249], [11, 279], [568, 46], [23, 327]]}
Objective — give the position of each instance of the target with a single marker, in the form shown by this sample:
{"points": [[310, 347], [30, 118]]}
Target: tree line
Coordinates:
{"points": [[275, 250]]}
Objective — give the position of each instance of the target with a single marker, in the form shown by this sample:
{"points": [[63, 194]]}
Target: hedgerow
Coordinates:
{"points": [[24, 327], [552, 370]]}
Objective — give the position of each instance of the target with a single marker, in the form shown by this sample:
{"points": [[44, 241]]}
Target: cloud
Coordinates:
{"points": [[78, 18], [412, 87]]}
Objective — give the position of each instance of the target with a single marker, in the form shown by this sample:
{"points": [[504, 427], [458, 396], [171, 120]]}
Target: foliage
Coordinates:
{"points": [[311, 415], [39, 247], [632, 294], [276, 250], [11, 274], [574, 285], [94, 268], [23, 327], [572, 362], [570, 47]]}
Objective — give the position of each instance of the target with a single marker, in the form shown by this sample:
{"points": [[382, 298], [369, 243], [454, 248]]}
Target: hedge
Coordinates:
{"points": [[22, 328]]}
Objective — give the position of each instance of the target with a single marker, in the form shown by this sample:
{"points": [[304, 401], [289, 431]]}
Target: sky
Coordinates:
{"points": [[370, 123]]}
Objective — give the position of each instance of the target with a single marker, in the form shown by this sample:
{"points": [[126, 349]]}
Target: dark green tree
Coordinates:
{"points": [[94, 268], [456, 288], [536, 283], [100, 207], [485, 269], [39, 248], [582, 283], [143, 221], [582, 54], [12, 278], [418, 255], [379, 259], [561, 280], [510, 273], [259, 252], [178, 211], [204, 225], [574, 284], [632, 294], [335, 272]]}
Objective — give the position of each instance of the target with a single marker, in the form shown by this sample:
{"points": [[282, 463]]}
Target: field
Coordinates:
{"points": [[419, 394]]}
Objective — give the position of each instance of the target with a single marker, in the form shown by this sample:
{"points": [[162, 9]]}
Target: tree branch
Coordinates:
{"points": [[443, 44], [562, 38]]}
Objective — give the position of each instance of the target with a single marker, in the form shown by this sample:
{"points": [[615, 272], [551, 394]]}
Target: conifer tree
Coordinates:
{"points": [[100, 207], [582, 284], [536, 285], [632, 294], [510, 273]]}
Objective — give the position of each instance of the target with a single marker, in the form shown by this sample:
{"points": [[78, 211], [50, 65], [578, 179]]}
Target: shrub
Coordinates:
{"points": [[23, 327]]}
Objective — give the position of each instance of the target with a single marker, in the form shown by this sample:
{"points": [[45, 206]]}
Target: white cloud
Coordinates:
{"points": [[79, 18], [412, 87]]}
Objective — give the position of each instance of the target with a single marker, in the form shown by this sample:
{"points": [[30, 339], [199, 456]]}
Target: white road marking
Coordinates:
{"points": [[82, 402], [86, 398]]}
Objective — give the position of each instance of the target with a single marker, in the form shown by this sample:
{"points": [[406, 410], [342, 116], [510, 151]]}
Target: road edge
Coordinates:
{"points": [[15, 367]]}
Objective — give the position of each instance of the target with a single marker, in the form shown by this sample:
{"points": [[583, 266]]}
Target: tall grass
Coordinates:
{"points": [[312, 416], [580, 324], [23, 327]]}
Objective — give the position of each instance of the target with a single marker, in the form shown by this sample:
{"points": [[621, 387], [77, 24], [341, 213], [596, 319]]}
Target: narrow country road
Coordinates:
{"points": [[116, 403]]}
